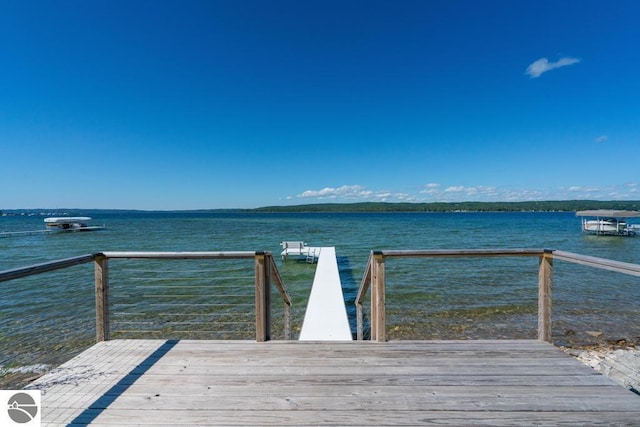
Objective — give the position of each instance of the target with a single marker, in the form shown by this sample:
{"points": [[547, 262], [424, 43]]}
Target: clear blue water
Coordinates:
{"points": [[49, 318]]}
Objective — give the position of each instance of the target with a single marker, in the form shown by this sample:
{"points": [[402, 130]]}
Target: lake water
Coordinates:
{"points": [[51, 317]]}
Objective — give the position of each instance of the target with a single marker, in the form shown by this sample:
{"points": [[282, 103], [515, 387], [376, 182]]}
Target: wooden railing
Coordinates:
{"points": [[264, 265], [374, 278], [373, 281]]}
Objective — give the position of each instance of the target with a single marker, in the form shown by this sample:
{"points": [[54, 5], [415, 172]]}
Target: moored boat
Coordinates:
{"points": [[608, 222], [71, 223]]}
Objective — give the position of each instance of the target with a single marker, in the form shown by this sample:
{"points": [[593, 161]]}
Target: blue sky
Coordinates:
{"points": [[238, 104]]}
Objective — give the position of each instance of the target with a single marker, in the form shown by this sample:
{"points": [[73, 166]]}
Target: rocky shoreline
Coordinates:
{"points": [[622, 365]]}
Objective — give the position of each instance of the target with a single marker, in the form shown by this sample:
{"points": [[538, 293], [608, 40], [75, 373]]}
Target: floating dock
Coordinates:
{"points": [[22, 233], [299, 250], [326, 316]]}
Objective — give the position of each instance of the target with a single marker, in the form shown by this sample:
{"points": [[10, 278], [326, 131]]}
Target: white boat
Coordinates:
{"points": [[608, 222], [71, 223]]}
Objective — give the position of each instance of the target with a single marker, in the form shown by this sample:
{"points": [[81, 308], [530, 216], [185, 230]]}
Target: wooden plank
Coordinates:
{"points": [[154, 382], [429, 253], [310, 388], [379, 370], [602, 263], [181, 255], [204, 416], [404, 345], [17, 273], [428, 400], [381, 357]]}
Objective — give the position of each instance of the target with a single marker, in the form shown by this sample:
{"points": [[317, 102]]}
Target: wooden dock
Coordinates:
{"points": [[377, 382], [487, 382]]}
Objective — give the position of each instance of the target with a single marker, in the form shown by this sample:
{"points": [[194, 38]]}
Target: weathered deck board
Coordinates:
{"points": [[362, 418], [153, 382]]}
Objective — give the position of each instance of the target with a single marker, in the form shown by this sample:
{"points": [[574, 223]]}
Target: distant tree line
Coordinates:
{"points": [[542, 206]]}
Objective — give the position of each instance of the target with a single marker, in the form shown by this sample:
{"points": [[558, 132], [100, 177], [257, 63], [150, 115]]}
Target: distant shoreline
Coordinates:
{"points": [[543, 206], [372, 207]]}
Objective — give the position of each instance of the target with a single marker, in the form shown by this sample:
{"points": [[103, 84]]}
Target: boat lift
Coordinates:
{"points": [[609, 222]]}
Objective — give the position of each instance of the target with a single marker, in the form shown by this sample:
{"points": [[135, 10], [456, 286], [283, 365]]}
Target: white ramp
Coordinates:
{"points": [[326, 316]]}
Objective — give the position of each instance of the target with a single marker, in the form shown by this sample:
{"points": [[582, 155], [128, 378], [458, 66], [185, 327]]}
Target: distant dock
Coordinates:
{"points": [[23, 233], [299, 250]]}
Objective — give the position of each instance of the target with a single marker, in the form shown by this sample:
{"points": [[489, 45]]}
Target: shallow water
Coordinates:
{"points": [[50, 317]]}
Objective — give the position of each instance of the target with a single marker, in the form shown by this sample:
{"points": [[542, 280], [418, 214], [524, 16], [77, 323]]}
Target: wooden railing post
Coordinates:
{"points": [[545, 279], [101, 264], [287, 321], [359, 322], [374, 316], [378, 310], [263, 297]]}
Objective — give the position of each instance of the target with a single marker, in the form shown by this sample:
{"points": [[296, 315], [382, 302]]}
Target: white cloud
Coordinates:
{"points": [[584, 189], [355, 193], [455, 189], [601, 139], [346, 191], [431, 189], [542, 65], [471, 193], [480, 193], [404, 197]]}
